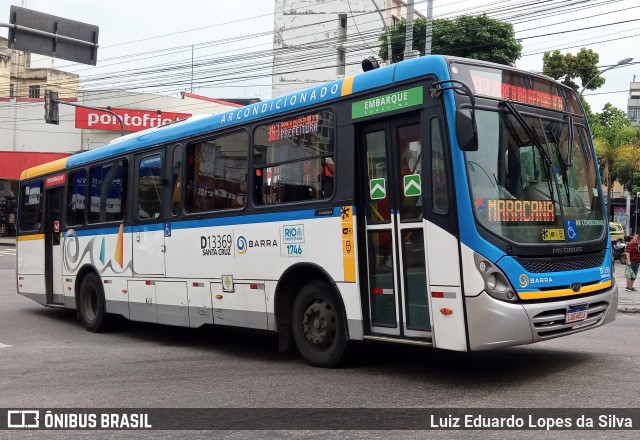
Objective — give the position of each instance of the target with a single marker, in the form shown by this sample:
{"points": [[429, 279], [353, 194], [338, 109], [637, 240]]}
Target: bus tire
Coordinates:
{"points": [[318, 328], [92, 304]]}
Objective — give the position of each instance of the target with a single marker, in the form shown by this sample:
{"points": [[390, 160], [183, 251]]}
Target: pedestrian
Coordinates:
{"points": [[633, 260]]}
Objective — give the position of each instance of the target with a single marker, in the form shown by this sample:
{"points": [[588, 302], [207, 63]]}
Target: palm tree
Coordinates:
{"points": [[610, 142]]}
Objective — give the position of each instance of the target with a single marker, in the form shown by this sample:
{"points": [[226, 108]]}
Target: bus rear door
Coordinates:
{"points": [[53, 251]]}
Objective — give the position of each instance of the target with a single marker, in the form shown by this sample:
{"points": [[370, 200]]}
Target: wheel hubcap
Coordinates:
{"points": [[319, 323]]}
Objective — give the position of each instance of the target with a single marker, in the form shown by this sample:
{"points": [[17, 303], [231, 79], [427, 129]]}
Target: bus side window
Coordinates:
{"points": [[31, 210], [439, 189], [77, 197], [108, 192], [150, 187], [217, 173], [176, 183]]}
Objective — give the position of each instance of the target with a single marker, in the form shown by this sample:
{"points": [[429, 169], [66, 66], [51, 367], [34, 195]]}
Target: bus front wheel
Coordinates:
{"points": [[318, 327], [92, 304]]}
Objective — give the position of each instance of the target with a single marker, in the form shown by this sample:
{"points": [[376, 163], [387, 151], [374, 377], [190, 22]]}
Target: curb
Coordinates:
{"points": [[7, 243], [629, 309]]}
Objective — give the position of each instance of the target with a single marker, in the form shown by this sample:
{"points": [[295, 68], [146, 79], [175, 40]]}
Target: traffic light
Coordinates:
{"points": [[51, 107]]}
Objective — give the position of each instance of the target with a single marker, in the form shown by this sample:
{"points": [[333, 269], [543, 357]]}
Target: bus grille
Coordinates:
{"points": [[561, 264], [550, 323]]}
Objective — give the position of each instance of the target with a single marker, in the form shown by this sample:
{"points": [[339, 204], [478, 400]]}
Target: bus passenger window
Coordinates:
{"points": [[176, 192], [150, 187], [31, 214], [77, 197], [294, 159], [108, 192], [217, 173]]}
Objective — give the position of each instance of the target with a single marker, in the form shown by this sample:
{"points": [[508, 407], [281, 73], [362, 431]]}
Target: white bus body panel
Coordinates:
{"points": [[445, 292], [30, 269]]}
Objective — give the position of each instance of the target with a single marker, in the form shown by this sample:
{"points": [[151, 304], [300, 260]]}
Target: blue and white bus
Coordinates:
{"points": [[439, 201]]}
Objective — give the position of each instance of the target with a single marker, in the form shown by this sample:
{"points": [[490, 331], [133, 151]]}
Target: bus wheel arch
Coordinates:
{"points": [[312, 285]]}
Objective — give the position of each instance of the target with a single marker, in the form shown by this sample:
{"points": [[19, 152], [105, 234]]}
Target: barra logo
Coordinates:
{"points": [[23, 418], [524, 280], [241, 243]]}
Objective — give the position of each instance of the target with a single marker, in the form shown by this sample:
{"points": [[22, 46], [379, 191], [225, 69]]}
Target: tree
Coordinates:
{"points": [[612, 115], [612, 134], [478, 37], [583, 65]]}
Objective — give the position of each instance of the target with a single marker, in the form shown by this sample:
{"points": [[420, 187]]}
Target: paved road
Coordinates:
{"points": [[48, 360]]}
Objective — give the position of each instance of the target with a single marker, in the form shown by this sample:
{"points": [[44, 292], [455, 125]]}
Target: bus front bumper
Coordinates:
{"points": [[492, 323]]}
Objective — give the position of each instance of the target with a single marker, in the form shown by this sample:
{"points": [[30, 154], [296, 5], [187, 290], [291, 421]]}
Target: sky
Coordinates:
{"points": [[228, 37]]}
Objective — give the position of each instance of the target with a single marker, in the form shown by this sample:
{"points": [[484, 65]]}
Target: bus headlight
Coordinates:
{"points": [[495, 281]]}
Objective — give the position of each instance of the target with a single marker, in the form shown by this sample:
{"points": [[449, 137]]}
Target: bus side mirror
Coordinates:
{"points": [[466, 129]]}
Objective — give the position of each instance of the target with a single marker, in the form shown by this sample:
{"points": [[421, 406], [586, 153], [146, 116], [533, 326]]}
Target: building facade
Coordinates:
{"points": [[338, 34], [633, 104]]}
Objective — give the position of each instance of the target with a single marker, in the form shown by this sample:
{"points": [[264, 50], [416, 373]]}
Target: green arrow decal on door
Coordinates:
{"points": [[377, 189], [412, 187]]}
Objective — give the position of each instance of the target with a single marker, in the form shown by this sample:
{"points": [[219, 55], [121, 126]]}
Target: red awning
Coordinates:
{"points": [[13, 163]]}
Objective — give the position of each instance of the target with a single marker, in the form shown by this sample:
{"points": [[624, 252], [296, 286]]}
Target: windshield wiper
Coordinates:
{"points": [[536, 143], [564, 164]]}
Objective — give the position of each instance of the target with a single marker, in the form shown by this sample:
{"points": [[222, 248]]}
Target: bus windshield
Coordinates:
{"points": [[529, 194]]}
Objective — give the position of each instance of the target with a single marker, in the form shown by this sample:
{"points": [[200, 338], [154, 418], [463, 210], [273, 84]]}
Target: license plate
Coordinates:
{"points": [[575, 315]]}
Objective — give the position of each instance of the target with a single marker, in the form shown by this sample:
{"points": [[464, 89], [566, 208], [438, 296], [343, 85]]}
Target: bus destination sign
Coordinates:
{"points": [[517, 86], [522, 211], [488, 85]]}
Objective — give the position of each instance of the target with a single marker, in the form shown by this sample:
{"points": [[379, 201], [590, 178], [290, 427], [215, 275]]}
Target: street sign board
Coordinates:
{"points": [[53, 36]]}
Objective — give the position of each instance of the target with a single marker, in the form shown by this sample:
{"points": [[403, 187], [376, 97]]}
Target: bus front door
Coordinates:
{"points": [[396, 265], [53, 250]]}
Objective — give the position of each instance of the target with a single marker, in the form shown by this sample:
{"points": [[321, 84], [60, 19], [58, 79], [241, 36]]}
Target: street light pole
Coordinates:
{"points": [[635, 222], [620, 63]]}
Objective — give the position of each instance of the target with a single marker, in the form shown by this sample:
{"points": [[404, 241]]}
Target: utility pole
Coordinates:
{"points": [[408, 45], [386, 30], [428, 28]]}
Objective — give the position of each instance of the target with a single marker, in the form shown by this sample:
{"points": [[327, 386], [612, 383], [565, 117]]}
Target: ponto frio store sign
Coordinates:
{"points": [[134, 120]]}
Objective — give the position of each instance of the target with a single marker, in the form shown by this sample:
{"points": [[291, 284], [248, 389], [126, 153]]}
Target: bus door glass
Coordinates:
{"points": [[53, 250], [148, 229], [397, 276]]}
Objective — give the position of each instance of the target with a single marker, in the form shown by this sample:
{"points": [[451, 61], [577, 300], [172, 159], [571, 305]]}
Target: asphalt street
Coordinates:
{"points": [[48, 360]]}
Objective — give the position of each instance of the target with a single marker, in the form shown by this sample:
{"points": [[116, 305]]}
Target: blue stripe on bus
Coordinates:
{"points": [[99, 231], [215, 221], [252, 219], [421, 66], [147, 227], [374, 78]]}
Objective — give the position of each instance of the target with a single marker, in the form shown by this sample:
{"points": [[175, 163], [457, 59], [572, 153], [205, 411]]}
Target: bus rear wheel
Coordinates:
{"points": [[92, 304], [318, 328]]}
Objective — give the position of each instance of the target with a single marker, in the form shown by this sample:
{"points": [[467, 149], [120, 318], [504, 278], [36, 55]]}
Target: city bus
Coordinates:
{"points": [[439, 201]]}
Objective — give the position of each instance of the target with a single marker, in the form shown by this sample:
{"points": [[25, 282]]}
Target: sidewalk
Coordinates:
{"points": [[628, 302]]}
